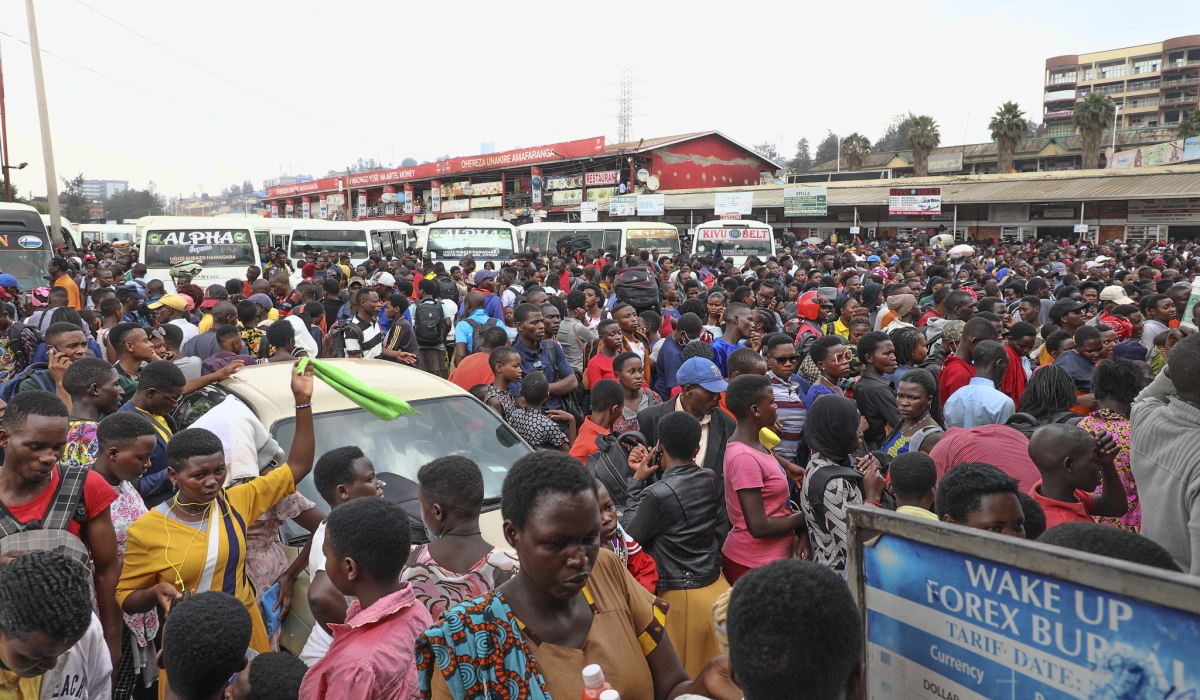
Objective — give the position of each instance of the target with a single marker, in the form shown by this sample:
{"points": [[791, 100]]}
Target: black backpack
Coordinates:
{"points": [[447, 288], [816, 489], [477, 330], [610, 464], [429, 321], [334, 343], [637, 286]]}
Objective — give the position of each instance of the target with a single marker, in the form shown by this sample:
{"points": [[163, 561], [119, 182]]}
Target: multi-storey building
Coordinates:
{"points": [[1154, 85], [103, 189]]}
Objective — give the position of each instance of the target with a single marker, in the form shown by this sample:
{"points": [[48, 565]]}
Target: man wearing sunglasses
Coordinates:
{"points": [[160, 389]]}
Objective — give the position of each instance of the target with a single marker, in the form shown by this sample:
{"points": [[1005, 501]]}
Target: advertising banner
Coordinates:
{"points": [[623, 205], [1191, 148], [588, 212], [805, 201], [290, 206], [1159, 154], [651, 205], [323, 210], [480, 189], [566, 198], [946, 162], [1163, 211], [564, 183], [435, 197], [453, 206], [536, 185], [306, 207], [408, 199], [492, 202], [602, 177], [915, 201], [601, 195], [740, 203], [362, 205], [944, 618]]}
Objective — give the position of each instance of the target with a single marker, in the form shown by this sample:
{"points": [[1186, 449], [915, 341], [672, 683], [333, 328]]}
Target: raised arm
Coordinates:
{"points": [[304, 444]]}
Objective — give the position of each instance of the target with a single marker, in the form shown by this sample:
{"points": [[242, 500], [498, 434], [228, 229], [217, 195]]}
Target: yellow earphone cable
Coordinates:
{"points": [[166, 553]]}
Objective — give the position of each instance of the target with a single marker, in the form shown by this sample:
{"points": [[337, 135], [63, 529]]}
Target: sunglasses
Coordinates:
{"points": [[785, 359], [843, 357]]}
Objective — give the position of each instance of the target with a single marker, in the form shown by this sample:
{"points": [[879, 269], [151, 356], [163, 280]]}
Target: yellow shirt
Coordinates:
{"points": [[159, 423], [18, 688], [919, 512], [206, 322]]}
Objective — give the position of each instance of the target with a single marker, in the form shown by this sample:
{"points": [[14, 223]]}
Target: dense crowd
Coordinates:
{"points": [[700, 430]]}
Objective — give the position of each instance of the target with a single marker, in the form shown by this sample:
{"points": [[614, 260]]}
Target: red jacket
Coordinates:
{"points": [[1013, 382], [956, 373]]}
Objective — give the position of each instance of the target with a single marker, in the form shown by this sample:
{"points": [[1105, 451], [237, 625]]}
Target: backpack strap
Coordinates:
{"points": [[816, 489], [552, 348]]}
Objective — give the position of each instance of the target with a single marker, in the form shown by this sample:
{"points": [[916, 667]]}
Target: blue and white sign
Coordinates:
{"points": [[941, 624]]}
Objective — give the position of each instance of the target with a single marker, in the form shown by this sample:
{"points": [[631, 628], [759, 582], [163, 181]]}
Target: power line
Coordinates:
{"points": [[227, 80]]}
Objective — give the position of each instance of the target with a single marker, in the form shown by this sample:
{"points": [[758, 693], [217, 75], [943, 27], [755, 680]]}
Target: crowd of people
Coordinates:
{"points": [[699, 432]]}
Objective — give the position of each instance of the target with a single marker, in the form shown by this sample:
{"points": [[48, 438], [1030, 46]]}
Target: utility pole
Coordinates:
{"points": [[56, 237], [4, 138]]}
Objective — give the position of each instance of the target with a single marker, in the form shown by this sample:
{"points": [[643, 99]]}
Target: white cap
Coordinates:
{"points": [[610, 694], [593, 676]]}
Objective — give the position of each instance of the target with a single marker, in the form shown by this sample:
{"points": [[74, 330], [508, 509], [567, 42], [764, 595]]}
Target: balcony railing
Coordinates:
{"points": [[1142, 104], [1181, 63], [1143, 85], [1179, 100], [1190, 80], [1061, 79]]}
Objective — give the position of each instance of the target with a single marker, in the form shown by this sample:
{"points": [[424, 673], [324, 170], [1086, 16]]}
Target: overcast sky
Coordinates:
{"points": [[256, 89]]}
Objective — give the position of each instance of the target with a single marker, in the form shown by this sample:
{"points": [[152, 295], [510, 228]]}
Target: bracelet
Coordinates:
{"points": [[298, 407], [874, 503]]}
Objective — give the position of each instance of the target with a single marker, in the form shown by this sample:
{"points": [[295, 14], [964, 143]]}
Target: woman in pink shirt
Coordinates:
{"points": [[756, 485]]}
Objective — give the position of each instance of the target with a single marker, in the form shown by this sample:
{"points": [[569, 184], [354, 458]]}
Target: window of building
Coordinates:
{"points": [[1089, 73], [1064, 129], [1171, 118], [1059, 77], [1113, 69], [1149, 64]]}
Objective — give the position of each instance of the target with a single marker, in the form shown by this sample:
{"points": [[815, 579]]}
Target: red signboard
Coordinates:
{"points": [[541, 154], [602, 177], [322, 185]]}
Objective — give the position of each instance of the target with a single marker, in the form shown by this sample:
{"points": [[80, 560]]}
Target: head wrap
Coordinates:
{"points": [[1121, 325], [870, 295], [831, 428]]}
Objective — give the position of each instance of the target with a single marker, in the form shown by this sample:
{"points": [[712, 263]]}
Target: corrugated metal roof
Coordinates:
{"points": [[656, 142], [1061, 186]]}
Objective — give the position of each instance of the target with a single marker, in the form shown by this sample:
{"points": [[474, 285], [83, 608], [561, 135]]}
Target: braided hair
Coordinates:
{"points": [[905, 340], [694, 306], [925, 379], [1050, 390], [697, 348]]}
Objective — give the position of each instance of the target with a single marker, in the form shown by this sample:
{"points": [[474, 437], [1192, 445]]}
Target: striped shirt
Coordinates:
{"points": [[791, 415]]}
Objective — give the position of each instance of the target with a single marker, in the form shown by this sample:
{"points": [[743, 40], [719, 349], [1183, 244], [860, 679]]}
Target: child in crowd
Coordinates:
{"points": [[205, 645], [371, 657], [1114, 542], [457, 564], [608, 398], [1035, 517], [538, 428], [600, 366], [981, 496], [913, 481], [613, 537], [629, 371], [1073, 463], [506, 368], [275, 675]]}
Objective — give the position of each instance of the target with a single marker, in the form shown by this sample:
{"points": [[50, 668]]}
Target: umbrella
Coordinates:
{"points": [[814, 240], [961, 250]]}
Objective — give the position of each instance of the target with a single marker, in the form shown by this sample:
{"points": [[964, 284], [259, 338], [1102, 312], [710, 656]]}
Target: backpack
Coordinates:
{"points": [[815, 489], [477, 330], [429, 321], [16, 347], [41, 374], [610, 464], [50, 533], [334, 344], [447, 288], [1026, 423], [194, 405], [636, 286]]}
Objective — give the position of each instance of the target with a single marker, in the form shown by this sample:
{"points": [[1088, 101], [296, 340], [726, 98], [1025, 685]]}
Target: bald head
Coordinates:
{"points": [[1052, 444], [224, 314], [475, 300]]}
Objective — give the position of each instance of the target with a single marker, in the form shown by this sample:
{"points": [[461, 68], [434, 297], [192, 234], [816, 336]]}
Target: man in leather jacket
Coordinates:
{"points": [[700, 396]]}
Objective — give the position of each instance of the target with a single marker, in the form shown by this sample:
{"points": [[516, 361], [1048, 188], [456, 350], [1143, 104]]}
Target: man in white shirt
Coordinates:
{"points": [[172, 309]]}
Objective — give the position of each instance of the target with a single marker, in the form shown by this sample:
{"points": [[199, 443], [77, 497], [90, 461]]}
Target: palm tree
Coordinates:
{"points": [[855, 147], [1008, 126], [1092, 116], [1190, 126], [923, 137]]}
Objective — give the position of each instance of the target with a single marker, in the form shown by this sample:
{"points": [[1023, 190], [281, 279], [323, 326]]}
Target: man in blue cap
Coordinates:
{"points": [[701, 387]]}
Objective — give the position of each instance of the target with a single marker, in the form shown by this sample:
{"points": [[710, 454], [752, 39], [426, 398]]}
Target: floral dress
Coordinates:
{"points": [[1117, 425], [628, 420], [439, 588], [265, 558], [143, 626]]}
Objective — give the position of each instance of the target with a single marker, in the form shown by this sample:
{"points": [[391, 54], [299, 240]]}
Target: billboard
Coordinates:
{"points": [[1191, 148], [740, 203], [915, 201], [804, 201], [1163, 211], [946, 614], [1167, 153], [622, 205], [946, 162], [651, 205]]}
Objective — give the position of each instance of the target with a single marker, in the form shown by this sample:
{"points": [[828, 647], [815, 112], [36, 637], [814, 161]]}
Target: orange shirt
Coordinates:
{"points": [[585, 440], [474, 369], [73, 297]]}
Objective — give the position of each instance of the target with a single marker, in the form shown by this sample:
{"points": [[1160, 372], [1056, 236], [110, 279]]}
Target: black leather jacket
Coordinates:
{"points": [[675, 519]]}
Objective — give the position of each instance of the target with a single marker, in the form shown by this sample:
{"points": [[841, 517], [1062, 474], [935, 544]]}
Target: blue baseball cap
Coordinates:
{"points": [[873, 258], [703, 372], [7, 280]]}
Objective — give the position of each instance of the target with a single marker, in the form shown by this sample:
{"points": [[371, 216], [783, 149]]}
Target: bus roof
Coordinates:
{"points": [[470, 223], [597, 226], [106, 228], [198, 222], [735, 223]]}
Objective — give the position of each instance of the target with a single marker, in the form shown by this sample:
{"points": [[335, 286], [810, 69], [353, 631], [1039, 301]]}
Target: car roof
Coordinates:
{"points": [[266, 387]]}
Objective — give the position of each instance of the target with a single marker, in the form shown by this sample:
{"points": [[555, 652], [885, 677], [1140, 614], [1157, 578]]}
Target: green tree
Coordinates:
{"points": [[78, 207], [895, 134], [855, 147], [923, 137], [131, 204], [770, 152], [1190, 125], [1092, 116], [1008, 127], [802, 162], [247, 188], [827, 150]]}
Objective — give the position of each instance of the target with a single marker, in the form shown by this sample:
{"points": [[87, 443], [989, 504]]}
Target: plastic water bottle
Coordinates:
{"points": [[594, 685], [610, 694]]}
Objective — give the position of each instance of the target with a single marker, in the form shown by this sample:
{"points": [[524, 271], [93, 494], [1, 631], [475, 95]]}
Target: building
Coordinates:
{"points": [[1040, 154], [544, 182], [1155, 85], [103, 189]]}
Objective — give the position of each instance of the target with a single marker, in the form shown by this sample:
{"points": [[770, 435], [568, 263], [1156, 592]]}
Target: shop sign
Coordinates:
{"points": [[1191, 148], [1058, 213], [306, 207], [588, 212], [564, 183], [1158, 154], [452, 206], [651, 204], [946, 162], [601, 195], [960, 614], [323, 208], [1163, 211], [734, 234], [915, 201], [328, 183], [486, 188], [602, 177], [492, 202], [435, 197], [583, 148], [805, 201], [536, 185], [408, 199], [740, 203], [623, 205], [566, 198]]}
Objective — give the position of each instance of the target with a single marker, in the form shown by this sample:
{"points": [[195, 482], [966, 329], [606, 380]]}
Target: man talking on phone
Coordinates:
{"points": [[65, 343]]}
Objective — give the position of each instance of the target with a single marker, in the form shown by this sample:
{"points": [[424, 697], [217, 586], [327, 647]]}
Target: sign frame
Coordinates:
{"points": [[1175, 591], [906, 201], [741, 203], [806, 200]]}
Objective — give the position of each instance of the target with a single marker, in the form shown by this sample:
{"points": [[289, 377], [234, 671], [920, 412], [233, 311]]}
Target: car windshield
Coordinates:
{"points": [[454, 425]]}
